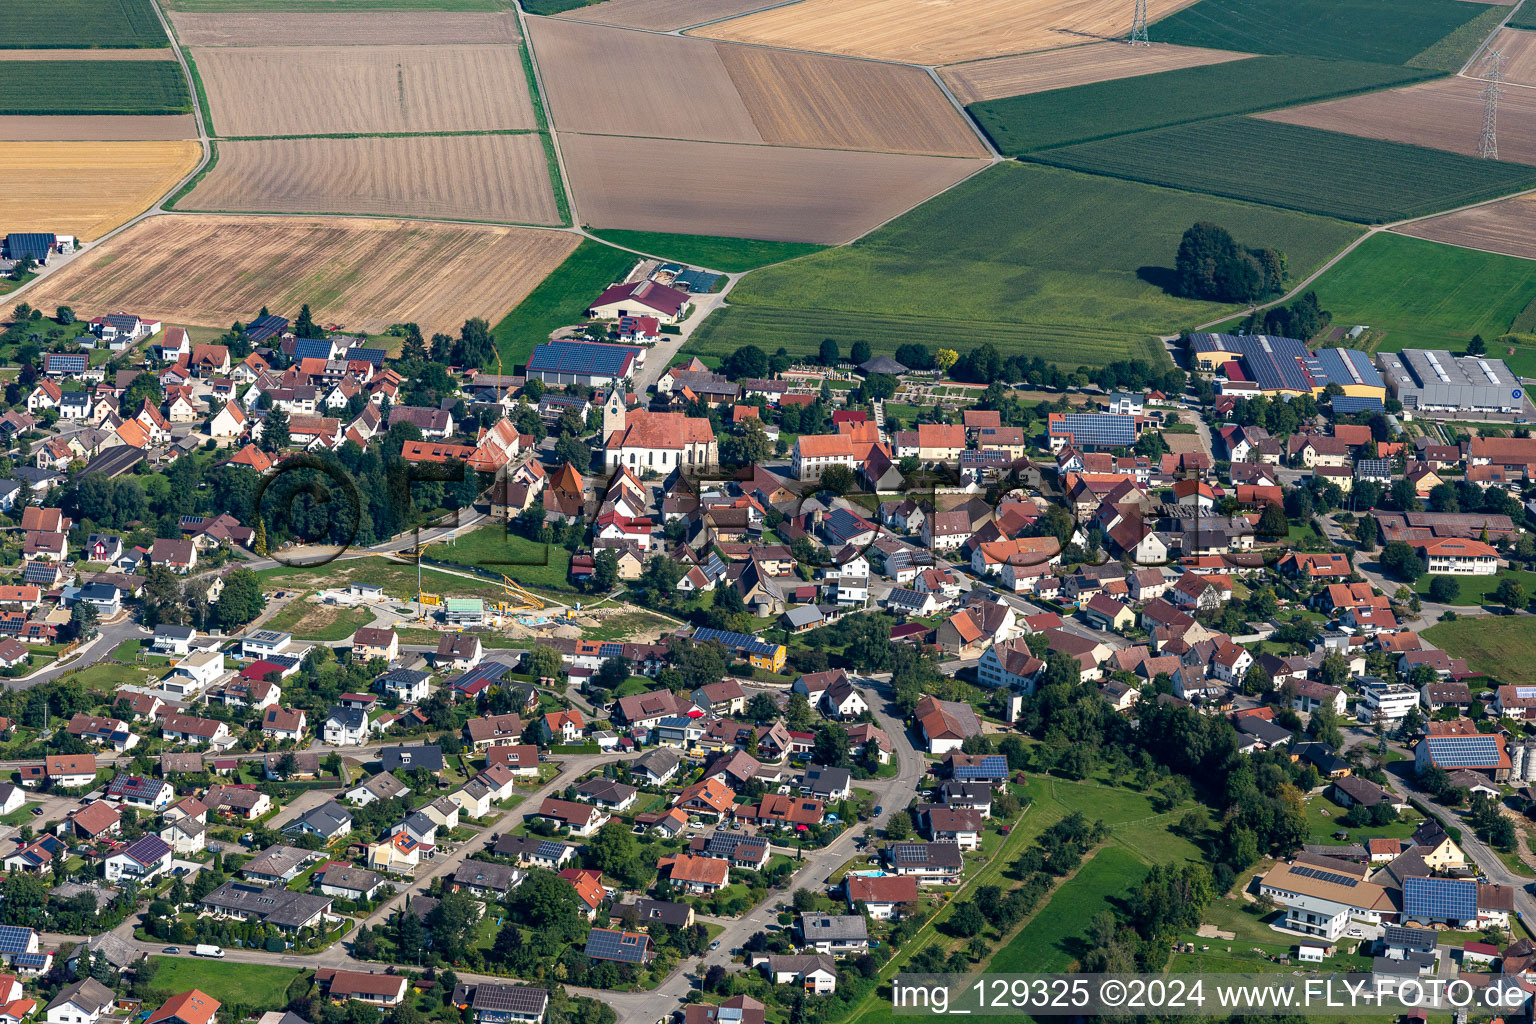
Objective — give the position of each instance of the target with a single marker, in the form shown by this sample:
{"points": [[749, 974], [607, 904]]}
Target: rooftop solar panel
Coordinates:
{"points": [[1440, 899], [1096, 429], [579, 357], [1465, 751], [34, 960], [14, 939], [1331, 877], [1348, 405], [311, 348], [265, 327], [743, 642]]}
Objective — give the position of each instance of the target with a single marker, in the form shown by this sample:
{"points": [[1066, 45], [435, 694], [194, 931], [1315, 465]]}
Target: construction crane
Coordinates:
{"points": [[525, 600]]}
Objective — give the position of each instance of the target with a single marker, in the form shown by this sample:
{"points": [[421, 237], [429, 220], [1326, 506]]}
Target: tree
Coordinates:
{"points": [[830, 746], [944, 358], [612, 673], [83, 620], [304, 326], [574, 450], [1399, 559], [838, 479], [64, 315], [828, 354], [453, 923], [274, 431], [145, 388], [859, 353], [1272, 521], [605, 570], [1211, 265], [967, 920], [1256, 680], [899, 827], [475, 346], [1444, 589], [1511, 594], [241, 600], [748, 361], [1476, 346], [543, 662]]}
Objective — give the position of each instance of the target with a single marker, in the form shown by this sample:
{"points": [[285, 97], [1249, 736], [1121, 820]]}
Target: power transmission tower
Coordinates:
{"points": [[1139, 25], [1488, 142]]}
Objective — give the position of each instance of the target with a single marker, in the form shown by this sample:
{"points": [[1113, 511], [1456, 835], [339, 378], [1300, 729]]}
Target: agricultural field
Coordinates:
{"points": [[397, 578], [110, 87], [264, 91], [496, 178], [1061, 117], [1048, 943], [81, 24], [223, 24], [1426, 295], [606, 81], [778, 194], [1447, 115], [928, 33], [366, 274], [728, 254], [1523, 18], [998, 77], [103, 128], [157, 53], [1503, 647], [1385, 31], [660, 15], [1507, 227], [1519, 49], [1308, 169], [559, 299], [404, 7], [1079, 282], [89, 190]]}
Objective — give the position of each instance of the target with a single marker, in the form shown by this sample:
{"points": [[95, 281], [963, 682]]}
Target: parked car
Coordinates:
{"points": [[171, 950]]}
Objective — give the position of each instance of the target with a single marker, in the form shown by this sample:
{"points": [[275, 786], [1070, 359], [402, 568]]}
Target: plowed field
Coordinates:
{"points": [[1508, 227], [366, 274], [501, 178], [343, 28], [1079, 65], [97, 128], [87, 190], [272, 90], [662, 15], [1519, 49], [787, 195]]}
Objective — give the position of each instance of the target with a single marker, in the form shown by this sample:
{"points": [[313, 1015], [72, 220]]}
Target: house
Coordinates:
{"points": [[580, 819], [347, 882], [834, 933], [495, 1003], [237, 801], [137, 791], [702, 875], [172, 640], [94, 820], [929, 863], [191, 729], [190, 1007], [958, 825], [346, 727], [816, 973], [365, 986], [655, 767], [1458, 557], [283, 724], [944, 725], [608, 794], [61, 771], [458, 652], [486, 879], [178, 554], [81, 1002], [618, 945], [328, 821], [644, 298], [825, 783], [140, 862], [369, 642]]}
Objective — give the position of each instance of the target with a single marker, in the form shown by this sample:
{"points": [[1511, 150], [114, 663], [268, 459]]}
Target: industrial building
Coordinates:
{"points": [[1438, 381], [1283, 366], [593, 364]]}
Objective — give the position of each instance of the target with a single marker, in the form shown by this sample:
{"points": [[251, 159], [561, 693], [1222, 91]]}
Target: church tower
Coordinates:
{"points": [[614, 412]]}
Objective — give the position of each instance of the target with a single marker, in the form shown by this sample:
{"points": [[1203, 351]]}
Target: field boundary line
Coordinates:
{"points": [[976, 129]]}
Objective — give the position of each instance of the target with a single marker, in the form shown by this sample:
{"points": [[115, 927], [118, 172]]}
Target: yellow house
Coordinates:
{"points": [[1208, 351], [1442, 855], [772, 662]]}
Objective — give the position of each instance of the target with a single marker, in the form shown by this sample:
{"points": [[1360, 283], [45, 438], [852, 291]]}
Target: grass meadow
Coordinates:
{"points": [[732, 255], [1048, 944], [1502, 647], [1062, 117], [1034, 260], [559, 299], [253, 986], [80, 24], [1305, 169], [106, 87]]}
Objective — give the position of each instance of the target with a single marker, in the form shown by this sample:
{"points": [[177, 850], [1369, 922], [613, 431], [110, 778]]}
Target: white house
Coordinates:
{"points": [[141, 862]]}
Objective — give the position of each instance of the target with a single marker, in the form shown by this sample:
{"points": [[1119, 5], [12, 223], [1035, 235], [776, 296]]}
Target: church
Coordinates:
{"points": [[656, 442]]}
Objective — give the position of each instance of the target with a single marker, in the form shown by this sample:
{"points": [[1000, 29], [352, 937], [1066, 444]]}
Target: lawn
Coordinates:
{"points": [[109, 87], [1061, 117], [397, 579], [492, 549], [81, 24], [310, 621], [1050, 942], [253, 986], [559, 299], [1476, 590], [1323, 819], [1502, 647], [1036, 261], [709, 251], [1307, 169], [1387, 31], [1424, 294]]}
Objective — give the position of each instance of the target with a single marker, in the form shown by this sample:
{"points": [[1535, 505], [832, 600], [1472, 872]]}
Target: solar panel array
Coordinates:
{"points": [[1276, 364], [14, 939], [489, 671], [1465, 751], [1409, 938], [738, 641], [1331, 877], [367, 355], [1108, 430], [264, 327], [909, 853], [56, 362], [311, 348], [1526, 692], [35, 961], [40, 572], [606, 944], [519, 999], [575, 357], [1440, 899]]}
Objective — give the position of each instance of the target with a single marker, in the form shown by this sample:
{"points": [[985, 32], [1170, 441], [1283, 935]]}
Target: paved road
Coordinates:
{"points": [[105, 643]]}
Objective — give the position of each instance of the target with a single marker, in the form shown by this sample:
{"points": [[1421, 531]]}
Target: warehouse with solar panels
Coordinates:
{"points": [[1284, 366], [1483, 752], [1437, 381]]}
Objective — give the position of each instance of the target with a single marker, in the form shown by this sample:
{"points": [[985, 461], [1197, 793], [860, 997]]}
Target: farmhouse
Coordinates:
{"points": [[643, 298]]}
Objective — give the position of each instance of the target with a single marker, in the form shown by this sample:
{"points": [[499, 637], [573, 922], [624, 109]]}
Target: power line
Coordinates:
{"points": [[1488, 142], [1139, 25]]}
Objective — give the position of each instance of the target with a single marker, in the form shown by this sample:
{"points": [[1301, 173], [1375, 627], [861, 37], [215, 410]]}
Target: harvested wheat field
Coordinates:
{"points": [[662, 15], [366, 274], [934, 31], [344, 28], [88, 190], [1078, 65], [1443, 114], [1508, 226], [87, 54], [1519, 49], [608, 81], [271, 90], [97, 128], [499, 178], [811, 100], [779, 194]]}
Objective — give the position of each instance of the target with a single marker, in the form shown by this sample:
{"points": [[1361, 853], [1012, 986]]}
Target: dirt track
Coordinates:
{"points": [[87, 190], [1078, 65], [103, 128], [367, 274], [367, 89], [270, 28], [1508, 227], [1443, 114], [797, 195], [500, 178]]}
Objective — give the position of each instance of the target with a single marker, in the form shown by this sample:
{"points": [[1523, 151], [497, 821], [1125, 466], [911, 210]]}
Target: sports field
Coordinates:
{"points": [[1386, 31], [367, 274], [108, 87], [1078, 282], [993, 79], [1426, 295], [89, 190], [1301, 168], [1062, 117], [1049, 943], [78, 24]]}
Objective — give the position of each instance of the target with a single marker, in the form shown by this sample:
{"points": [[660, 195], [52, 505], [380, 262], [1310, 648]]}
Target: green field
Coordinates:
{"points": [[732, 255], [1036, 261], [555, 6], [80, 24], [1385, 31], [1503, 647], [309, 621], [103, 87], [340, 5], [1326, 173], [492, 549], [1061, 117], [1424, 294], [253, 986], [1477, 590], [1525, 17], [1048, 943], [559, 299]]}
